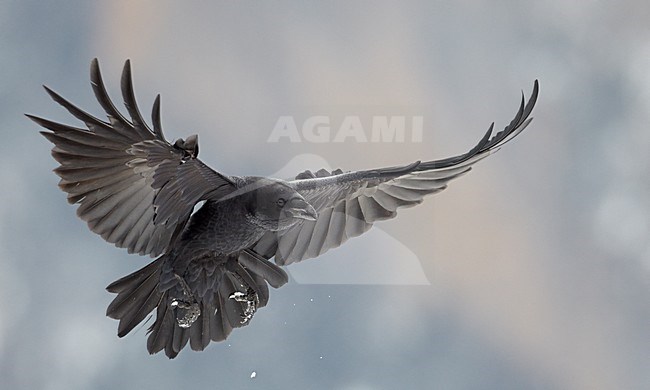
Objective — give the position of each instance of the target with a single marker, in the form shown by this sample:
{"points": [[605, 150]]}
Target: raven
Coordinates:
{"points": [[213, 268]]}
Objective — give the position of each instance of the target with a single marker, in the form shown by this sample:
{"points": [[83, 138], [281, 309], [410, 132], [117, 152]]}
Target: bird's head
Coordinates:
{"points": [[275, 205]]}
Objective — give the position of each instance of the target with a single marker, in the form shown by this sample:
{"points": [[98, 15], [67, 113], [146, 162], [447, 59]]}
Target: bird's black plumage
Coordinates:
{"points": [[213, 267]]}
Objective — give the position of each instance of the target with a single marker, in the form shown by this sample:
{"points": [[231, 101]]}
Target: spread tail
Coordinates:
{"points": [[221, 307], [205, 304]]}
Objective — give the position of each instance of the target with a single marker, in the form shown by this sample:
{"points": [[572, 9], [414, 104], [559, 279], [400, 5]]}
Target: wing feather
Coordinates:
{"points": [[133, 187], [336, 232], [355, 222], [349, 203], [319, 233]]}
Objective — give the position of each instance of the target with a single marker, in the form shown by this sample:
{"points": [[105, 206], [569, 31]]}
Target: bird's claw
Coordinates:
{"points": [[251, 300], [189, 305], [192, 312]]}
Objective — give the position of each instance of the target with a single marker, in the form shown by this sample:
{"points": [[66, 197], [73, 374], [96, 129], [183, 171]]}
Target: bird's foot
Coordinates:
{"points": [[251, 300], [187, 309], [190, 312]]}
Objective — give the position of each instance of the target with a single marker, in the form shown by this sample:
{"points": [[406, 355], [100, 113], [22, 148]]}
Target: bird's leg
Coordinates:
{"points": [[249, 297], [188, 304]]}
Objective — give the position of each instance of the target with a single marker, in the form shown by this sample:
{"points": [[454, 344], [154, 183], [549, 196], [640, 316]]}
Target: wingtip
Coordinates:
{"points": [[535, 87], [127, 67], [534, 93], [155, 110], [55, 96], [489, 131], [155, 118], [35, 119], [48, 89], [128, 94], [127, 80], [95, 73]]}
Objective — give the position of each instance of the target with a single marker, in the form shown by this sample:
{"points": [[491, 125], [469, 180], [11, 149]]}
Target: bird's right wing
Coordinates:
{"points": [[133, 187], [349, 203]]}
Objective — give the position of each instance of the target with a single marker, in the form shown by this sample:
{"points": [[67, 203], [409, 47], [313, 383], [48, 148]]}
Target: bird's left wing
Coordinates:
{"points": [[349, 203], [133, 187]]}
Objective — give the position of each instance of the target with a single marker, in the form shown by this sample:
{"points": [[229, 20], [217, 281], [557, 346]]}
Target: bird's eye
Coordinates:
{"points": [[281, 202]]}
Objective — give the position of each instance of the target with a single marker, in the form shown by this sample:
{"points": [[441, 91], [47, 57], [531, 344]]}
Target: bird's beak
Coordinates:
{"points": [[299, 208]]}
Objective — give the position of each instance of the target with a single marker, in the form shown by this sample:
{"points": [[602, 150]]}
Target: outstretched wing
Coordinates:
{"points": [[349, 203], [134, 188]]}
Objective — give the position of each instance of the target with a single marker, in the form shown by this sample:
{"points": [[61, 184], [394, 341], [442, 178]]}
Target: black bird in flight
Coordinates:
{"points": [[213, 268]]}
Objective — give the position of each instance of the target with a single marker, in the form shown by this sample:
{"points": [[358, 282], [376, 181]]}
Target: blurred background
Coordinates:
{"points": [[530, 272]]}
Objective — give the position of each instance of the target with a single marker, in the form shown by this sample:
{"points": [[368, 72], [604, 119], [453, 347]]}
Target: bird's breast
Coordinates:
{"points": [[222, 227]]}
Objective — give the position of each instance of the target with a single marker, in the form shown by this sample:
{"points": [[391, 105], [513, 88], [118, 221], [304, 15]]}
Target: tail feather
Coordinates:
{"points": [[161, 330], [257, 264], [262, 289], [134, 317], [212, 325], [218, 317], [180, 338], [236, 268], [200, 332], [125, 282], [232, 311], [139, 293], [222, 326], [137, 296]]}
